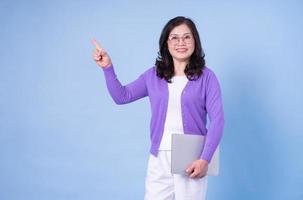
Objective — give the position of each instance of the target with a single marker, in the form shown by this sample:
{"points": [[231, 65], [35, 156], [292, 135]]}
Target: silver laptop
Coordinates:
{"points": [[187, 148]]}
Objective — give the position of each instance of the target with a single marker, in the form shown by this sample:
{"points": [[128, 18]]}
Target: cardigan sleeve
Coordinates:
{"points": [[214, 108], [124, 94]]}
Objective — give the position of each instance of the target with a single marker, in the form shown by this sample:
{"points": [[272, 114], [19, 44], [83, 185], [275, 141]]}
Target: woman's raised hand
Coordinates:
{"points": [[100, 56]]}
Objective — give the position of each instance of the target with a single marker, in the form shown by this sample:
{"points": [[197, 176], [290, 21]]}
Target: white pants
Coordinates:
{"points": [[162, 185]]}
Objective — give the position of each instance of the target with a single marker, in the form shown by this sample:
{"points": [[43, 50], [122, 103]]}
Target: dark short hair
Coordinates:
{"points": [[164, 62]]}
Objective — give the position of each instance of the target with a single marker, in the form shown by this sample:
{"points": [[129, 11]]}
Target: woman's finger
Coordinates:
{"points": [[103, 53], [97, 58], [95, 54], [96, 51], [97, 45], [194, 174], [190, 169]]}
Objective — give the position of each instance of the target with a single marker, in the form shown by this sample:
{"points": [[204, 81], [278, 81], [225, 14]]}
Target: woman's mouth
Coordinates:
{"points": [[181, 50]]}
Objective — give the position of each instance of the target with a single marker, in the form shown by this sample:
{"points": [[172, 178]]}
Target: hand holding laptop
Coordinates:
{"points": [[197, 169], [185, 154]]}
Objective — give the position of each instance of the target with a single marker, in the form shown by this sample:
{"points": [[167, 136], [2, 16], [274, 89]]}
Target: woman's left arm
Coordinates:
{"points": [[214, 109]]}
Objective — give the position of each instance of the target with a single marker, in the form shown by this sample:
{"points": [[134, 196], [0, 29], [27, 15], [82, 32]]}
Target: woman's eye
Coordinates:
{"points": [[187, 37]]}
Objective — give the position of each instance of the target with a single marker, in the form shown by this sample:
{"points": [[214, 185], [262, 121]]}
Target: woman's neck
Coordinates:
{"points": [[179, 67]]}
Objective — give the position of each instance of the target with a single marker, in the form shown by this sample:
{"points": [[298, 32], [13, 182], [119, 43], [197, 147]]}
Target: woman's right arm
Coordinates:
{"points": [[120, 94]]}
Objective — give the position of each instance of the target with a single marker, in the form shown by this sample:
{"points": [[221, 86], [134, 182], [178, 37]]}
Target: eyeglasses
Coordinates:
{"points": [[175, 39]]}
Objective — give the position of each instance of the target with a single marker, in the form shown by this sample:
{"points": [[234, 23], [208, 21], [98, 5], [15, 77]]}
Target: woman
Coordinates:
{"points": [[182, 92]]}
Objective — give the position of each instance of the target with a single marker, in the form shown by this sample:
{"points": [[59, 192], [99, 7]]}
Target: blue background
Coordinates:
{"points": [[62, 137]]}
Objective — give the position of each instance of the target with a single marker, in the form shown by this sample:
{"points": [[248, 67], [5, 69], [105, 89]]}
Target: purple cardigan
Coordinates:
{"points": [[199, 98]]}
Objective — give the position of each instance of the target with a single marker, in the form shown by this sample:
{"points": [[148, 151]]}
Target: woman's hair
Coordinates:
{"points": [[164, 62]]}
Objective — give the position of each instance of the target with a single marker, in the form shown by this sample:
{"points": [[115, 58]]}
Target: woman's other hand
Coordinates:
{"points": [[197, 169], [100, 56]]}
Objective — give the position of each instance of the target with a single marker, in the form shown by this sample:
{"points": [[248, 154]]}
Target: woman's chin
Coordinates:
{"points": [[181, 58]]}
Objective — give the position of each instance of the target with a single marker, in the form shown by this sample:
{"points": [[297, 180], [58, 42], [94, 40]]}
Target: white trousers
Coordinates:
{"points": [[160, 184]]}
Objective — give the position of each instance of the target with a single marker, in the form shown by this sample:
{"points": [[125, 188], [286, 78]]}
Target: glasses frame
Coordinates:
{"points": [[175, 38]]}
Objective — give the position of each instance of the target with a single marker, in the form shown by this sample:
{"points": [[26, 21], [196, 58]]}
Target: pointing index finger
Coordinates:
{"points": [[98, 46]]}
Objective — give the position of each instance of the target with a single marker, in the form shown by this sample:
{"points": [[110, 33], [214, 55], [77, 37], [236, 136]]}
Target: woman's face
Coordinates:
{"points": [[181, 43]]}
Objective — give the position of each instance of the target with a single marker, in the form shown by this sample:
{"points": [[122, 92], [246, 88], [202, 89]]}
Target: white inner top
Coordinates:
{"points": [[173, 121]]}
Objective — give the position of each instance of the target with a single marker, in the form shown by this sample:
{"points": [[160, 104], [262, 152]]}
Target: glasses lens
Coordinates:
{"points": [[176, 39]]}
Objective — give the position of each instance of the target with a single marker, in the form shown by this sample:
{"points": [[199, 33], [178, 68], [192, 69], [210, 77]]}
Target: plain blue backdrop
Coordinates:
{"points": [[62, 137]]}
